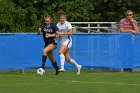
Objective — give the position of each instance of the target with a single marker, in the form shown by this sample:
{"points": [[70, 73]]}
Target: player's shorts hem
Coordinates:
{"points": [[68, 44], [55, 44]]}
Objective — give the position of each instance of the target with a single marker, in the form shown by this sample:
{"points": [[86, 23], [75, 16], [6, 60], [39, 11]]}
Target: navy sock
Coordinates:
{"points": [[56, 68], [44, 58], [55, 65]]}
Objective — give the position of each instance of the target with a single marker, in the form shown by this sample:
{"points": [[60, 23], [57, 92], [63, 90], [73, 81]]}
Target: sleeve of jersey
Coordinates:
{"points": [[55, 28], [69, 26]]}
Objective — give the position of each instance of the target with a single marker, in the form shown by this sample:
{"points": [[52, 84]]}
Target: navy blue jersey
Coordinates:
{"points": [[50, 30]]}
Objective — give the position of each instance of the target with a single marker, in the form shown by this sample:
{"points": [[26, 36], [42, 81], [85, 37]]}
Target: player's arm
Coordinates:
{"points": [[50, 35], [39, 31], [69, 32], [54, 34]]}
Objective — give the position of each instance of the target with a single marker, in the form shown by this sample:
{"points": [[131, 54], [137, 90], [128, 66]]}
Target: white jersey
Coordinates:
{"points": [[65, 39]]}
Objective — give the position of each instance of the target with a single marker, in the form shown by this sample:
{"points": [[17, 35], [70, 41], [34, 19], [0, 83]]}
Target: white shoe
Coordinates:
{"points": [[61, 70], [79, 69]]}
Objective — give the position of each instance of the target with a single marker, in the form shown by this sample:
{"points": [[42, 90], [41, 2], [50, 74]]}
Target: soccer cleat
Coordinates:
{"points": [[61, 70], [79, 69], [57, 72]]}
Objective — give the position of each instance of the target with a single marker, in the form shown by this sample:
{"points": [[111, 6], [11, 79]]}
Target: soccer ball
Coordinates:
{"points": [[40, 71]]}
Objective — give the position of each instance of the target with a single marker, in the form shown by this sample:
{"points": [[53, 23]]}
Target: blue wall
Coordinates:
{"points": [[23, 51]]}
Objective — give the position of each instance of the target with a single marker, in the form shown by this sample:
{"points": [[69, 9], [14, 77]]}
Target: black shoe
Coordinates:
{"points": [[57, 72]]}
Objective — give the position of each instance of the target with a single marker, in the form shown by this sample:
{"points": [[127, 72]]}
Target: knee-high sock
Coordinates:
{"points": [[73, 62], [56, 68], [55, 65], [44, 58], [62, 60]]}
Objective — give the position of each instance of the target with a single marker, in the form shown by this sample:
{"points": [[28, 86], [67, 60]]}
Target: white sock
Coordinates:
{"points": [[62, 60], [74, 62]]}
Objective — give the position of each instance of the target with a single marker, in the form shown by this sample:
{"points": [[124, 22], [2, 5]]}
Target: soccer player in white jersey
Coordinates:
{"points": [[65, 32]]}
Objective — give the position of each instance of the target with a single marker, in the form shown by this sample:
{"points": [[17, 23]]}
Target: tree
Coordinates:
{"points": [[7, 10], [26, 15]]}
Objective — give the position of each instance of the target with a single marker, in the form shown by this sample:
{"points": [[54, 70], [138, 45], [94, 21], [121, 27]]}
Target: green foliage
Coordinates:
{"points": [[7, 11], [26, 15]]}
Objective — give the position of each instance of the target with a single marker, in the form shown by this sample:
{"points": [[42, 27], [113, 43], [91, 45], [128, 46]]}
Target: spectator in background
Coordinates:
{"points": [[128, 24]]}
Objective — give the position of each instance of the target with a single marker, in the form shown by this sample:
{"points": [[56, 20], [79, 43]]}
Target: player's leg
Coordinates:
{"points": [[62, 50], [46, 49], [72, 61], [44, 58], [54, 63]]}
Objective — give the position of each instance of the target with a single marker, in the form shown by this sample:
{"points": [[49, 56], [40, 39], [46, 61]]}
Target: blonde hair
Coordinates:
{"points": [[48, 17]]}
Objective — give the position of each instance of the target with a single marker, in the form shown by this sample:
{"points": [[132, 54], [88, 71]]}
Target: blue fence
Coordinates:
{"points": [[23, 51]]}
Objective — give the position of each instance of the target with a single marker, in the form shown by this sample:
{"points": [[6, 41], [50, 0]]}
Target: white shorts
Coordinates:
{"points": [[67, 43]]}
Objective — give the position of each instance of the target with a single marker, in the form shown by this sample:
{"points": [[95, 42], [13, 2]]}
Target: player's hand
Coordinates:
{"points": [[38, 32], [47, 35]]}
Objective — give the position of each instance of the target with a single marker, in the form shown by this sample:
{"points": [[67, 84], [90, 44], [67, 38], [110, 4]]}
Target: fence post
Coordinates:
{"points": [[98, 25], [88, 27], [23, 71]]}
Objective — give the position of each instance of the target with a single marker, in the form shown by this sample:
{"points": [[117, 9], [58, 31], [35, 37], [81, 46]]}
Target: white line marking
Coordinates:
{"points": [[101, 83]]}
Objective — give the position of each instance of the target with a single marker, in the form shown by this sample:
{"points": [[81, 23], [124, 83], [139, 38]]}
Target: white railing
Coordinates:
{"points": [[96, 27], [91, 27]]}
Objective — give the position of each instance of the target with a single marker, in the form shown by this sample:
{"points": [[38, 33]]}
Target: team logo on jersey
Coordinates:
{"points": [[48, 30]]}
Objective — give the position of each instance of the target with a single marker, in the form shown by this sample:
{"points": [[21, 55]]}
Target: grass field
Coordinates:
{"points": [[68, 82]]}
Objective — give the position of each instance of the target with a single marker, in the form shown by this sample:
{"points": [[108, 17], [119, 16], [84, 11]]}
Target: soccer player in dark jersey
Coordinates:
{"points": [[49, 35]]}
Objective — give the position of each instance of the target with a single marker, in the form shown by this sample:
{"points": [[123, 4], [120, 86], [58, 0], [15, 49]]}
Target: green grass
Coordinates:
{"points": [[68, 82]]}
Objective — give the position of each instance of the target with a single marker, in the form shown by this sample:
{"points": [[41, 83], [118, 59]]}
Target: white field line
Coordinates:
{"points": [[112, 83]]}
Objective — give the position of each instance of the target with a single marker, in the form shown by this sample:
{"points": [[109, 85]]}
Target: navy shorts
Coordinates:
{"points": [[51, 42]]}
